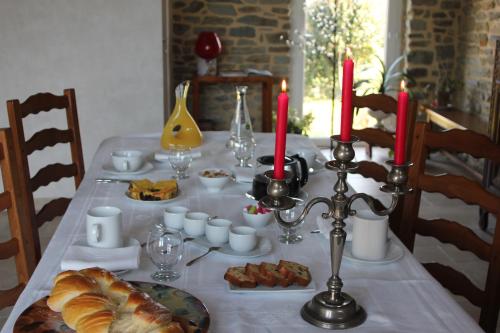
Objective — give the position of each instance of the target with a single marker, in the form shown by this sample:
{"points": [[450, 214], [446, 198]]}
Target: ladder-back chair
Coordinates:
{"points": [[39, 141]]}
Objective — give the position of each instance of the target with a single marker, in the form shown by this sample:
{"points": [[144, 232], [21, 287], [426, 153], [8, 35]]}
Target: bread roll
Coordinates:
{"points": [[65, 274], [103, 277], [69, 288], [84, 305], [134, 300], [98, 322], [119, 291], [94, 300]]}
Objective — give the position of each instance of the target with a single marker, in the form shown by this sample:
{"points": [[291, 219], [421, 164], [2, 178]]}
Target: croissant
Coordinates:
{"points": [[94, 300]]}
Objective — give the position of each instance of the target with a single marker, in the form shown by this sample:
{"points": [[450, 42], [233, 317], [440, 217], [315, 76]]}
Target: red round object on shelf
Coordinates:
{"points": [[208, 45]]}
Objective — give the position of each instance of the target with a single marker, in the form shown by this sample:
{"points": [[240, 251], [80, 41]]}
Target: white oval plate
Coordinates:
{"points": [[263, 247], [152, 202], [111, 170], [394, 253]]}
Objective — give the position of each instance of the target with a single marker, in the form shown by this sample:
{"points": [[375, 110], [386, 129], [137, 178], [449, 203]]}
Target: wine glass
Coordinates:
{"points": [[243, 150], [180, 159], [165, 247]]}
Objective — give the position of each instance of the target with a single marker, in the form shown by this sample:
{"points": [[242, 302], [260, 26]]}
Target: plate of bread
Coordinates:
{"points": [[147, 191], [95, 300], [286, 276]]}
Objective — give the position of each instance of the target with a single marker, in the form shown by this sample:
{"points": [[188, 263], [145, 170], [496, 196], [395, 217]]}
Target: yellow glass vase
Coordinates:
{"points": [[181, 129]]}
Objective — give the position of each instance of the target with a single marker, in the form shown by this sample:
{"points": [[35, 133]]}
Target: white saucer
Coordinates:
{"points": [[394, 253], [263, 247], [109, 168], [153, 202]]}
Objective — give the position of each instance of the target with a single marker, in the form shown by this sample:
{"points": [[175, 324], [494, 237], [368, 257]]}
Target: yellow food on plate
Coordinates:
{"points": [[146, 190]]}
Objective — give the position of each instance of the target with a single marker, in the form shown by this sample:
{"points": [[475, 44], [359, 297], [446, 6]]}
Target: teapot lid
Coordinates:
{"points": [[269, 160]]}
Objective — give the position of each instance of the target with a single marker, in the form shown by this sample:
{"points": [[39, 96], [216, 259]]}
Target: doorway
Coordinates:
{"points": [[371, 29]]}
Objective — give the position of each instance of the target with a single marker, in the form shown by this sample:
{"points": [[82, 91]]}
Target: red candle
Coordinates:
{"points": [[400, 146], [281, 122], [346, 117]]}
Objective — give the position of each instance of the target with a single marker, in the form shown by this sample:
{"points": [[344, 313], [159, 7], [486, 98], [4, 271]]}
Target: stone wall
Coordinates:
{"points": [[480, 27], [253, 35], [457, 36], [431, 40]]}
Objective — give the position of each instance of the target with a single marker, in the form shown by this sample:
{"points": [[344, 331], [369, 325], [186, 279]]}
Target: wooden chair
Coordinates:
{"points": [[40, 140], [470, 192], [21, 245], [380, 138]]}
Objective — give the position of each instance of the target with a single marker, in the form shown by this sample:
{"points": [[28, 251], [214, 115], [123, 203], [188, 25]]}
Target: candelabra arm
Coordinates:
{"points": [[371, 202], [307, 208]]}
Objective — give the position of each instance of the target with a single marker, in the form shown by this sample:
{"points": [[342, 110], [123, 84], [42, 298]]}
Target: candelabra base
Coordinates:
{"points": [[322, 313]]}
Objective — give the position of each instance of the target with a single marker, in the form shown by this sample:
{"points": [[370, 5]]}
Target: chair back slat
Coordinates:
{"points": [[453, 186], [52, 173], [5, 200], [376, 102], [375, 137], [469, 192], [9, 248], [47, 138], [42, 102], [454, 233], [456, 282], [22, 244], [464, 141], [52, 209], [369, 169]]}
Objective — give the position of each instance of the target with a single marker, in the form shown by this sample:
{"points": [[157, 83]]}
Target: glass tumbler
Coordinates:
{"points": [[180, 159], [243, 150], [165, 248], [292, 235]]}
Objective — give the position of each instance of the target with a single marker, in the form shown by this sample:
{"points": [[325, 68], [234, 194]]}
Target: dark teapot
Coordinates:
{"points": [[294, 164]]}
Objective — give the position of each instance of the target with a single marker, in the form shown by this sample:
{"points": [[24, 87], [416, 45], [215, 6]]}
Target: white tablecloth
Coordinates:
{"points": [[398, 297]]}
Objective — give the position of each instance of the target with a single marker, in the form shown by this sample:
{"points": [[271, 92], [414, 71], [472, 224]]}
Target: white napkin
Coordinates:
{"points": [[325, 226], [80, 256], [244, 175], [161, 156]]}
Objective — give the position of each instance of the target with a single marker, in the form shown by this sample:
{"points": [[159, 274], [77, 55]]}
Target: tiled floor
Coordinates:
{"points": [[426, 249]]}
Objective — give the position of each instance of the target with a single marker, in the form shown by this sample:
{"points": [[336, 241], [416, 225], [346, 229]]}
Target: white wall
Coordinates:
{"points": [[110, 51]]}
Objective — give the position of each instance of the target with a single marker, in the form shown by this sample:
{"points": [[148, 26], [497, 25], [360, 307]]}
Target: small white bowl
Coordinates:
{"points": [[257, 220], [242, 239], [214, 184]]}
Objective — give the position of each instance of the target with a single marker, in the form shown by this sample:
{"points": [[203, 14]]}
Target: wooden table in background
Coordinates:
{"points": [[267, 93], [454, 118]]}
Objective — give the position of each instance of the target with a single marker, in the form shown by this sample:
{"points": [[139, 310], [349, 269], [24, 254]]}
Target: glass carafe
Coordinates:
{"points": [[181, 129], [241, 124]]}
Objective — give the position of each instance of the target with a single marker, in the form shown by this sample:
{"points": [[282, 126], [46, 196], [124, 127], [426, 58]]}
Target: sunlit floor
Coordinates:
{"points": [[426, 249]]}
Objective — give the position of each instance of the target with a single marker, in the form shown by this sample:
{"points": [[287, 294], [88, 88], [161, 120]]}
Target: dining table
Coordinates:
{"points": [[399, 296]]}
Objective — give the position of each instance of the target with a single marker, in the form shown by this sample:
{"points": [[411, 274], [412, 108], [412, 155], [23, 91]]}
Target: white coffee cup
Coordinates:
{"points": [[104, 227], [217, 231], [369, 235], [308, 154], [194, 223], [242, 239], [127, 160], [173, 217]]}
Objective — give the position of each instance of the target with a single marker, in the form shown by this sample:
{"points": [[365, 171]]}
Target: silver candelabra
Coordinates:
{"points": [[334, 309]]}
